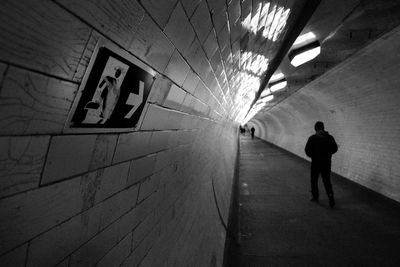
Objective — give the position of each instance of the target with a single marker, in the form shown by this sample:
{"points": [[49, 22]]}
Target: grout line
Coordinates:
{"points": [[44, 162], [11, 64], [27, 253], [5, 73]]}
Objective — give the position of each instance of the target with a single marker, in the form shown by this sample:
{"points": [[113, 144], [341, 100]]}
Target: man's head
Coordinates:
{"points": [[319, 126]]}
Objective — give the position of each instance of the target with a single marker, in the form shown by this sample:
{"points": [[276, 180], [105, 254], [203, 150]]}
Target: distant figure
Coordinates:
{"points": [[320, 148], [252, 130], [241, 129]]}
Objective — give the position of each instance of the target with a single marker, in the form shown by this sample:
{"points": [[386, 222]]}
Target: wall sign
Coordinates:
{"points": [[113, 92]]}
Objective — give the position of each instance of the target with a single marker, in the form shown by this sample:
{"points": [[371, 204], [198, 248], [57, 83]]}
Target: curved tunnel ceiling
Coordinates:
{"points": [[266, 29], [343, 28]]}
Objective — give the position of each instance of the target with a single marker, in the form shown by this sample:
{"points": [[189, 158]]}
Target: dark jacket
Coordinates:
{"points": [[320, 147]]}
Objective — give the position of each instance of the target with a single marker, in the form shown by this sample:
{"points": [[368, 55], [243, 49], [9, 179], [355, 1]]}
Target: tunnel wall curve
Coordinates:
{"points": [[153, 196], [359, 103]]}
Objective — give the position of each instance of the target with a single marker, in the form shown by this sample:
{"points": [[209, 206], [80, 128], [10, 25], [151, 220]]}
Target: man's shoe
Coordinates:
{"points": [[331, 202], [314, 200]]}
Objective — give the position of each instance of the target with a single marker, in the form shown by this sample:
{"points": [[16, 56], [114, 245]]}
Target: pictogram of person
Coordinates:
{"points": [[104, 98]]}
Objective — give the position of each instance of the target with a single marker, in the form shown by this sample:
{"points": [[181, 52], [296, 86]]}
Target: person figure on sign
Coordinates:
{"points": [[105, 96]]}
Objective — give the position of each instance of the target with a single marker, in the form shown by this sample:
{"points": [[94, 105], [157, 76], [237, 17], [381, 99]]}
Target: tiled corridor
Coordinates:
{"points": [[280, 227]]}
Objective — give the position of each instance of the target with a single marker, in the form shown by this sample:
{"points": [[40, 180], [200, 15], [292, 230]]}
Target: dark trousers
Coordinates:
{"points": [[323, 169]]}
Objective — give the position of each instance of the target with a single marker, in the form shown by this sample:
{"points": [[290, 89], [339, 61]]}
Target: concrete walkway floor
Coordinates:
{"points": [[280, 227]]}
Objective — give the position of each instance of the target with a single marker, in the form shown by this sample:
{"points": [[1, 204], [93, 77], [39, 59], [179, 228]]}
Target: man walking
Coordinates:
{"points": [[320, 147], [252, 130]]}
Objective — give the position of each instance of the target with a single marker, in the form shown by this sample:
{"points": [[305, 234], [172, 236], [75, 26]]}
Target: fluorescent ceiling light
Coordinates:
{"points": [[304, 54], [277, 76], [265, 92], [267, 98], [278, 85], [304, 38]]}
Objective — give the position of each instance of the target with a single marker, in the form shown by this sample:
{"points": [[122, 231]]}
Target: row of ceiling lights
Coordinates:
{"points": [[304, 49]]}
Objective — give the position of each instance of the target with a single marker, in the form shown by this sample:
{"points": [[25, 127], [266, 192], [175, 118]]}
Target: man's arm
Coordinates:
{"points": [[334, 147], [308, 148]]}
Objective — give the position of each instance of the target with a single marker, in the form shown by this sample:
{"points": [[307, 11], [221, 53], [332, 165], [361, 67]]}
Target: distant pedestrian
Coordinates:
{"points": [[242, 130], [252, 130], [320, 147]]}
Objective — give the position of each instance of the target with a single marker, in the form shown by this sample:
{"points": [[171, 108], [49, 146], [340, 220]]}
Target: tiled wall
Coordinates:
{"points": [[359, 102], [146, 197]]}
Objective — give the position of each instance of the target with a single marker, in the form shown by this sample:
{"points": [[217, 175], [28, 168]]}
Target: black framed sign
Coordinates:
{"points": [[113, 92]]}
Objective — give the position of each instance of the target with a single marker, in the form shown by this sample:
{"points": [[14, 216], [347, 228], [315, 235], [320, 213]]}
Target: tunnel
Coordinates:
{"points": [[119, 127]]}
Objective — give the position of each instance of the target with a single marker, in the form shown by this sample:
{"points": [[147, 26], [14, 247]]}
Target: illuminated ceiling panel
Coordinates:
{"points": [[262, 25]]}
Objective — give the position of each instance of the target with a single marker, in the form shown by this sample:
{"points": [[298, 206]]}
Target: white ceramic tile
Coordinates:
{"points": [[174, 98], [31, 37], [151, 45], [177, 69], [116, 20], [31, 103], [21, 160], [68, 155], [179, 30]]}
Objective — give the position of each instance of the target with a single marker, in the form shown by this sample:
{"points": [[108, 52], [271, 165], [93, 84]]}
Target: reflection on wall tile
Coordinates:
{"points": [[174, 119], [204, 66], [179, 30], [235, 31], [160, 89], [177, 68], [202, 92], [151, 45], [234, 11], [31, 103], [188, 103], [156, 118], [21, 162], [174, 98]]}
